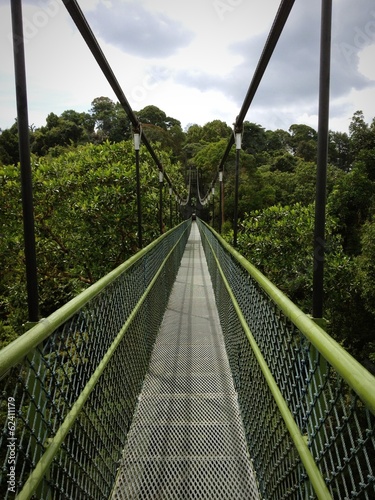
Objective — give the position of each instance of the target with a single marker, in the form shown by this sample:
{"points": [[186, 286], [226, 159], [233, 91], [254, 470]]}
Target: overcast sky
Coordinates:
{"points": [[193, 59]]}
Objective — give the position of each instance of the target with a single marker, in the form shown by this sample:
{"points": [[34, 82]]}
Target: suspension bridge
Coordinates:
{"points": [[183, 373]]}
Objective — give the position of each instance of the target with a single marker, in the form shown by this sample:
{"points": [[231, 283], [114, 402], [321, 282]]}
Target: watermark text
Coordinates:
{"points": [[11, 445]]}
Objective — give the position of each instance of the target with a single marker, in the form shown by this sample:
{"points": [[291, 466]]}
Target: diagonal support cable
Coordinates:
{"points": [[84, 28], [272, 40]]}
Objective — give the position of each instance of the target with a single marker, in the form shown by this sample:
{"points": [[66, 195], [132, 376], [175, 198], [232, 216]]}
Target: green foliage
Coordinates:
{"points": [[7, 335], [9, 153], [85, 222], [366, 265], [152, 115], [85, 207], [110, 121], [362, 136], [279, 241], [254, 138], [302, 142], [71, 128], [208, 158], [339, 153], [215, 131], [350, 201]]}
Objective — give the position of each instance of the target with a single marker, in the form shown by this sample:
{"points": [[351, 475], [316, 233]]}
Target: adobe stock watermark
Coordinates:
{"points": [[362, 38], [224, 7], [140, 92], [11, 445], [48, 9]]}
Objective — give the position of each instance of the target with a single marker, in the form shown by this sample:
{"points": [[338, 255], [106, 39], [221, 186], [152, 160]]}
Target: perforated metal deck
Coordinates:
{"points": [[186, 439]]}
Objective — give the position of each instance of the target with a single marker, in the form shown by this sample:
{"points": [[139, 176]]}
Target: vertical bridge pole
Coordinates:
{"points": [[137, 142], [161, 180], [24, 149], [221, 208], [323, 131], [170, 208], [238, 142]]}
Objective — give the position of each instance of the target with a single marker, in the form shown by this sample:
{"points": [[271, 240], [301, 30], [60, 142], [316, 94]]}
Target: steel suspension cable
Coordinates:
{"points": [[273, 37], [271, 42], [202, 201], [185, 202], [84, 28]]}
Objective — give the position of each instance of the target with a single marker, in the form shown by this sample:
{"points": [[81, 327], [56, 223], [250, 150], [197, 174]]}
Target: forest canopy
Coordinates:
{"points": [[85, 208]]}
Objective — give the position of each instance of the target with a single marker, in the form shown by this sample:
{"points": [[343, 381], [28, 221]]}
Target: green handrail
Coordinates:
{"points": [[14, 352], [54, 445], [356, 376], [307, 459]]}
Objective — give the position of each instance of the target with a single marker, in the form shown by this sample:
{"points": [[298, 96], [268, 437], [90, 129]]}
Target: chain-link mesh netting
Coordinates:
{"points": [[336, 424], [187, 440], [40, 392]]}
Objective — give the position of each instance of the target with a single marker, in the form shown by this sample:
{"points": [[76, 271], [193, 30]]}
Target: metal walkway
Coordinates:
{"points": [[187, 439]]}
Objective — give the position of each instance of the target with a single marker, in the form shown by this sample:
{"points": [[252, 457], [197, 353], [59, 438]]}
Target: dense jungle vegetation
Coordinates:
{"points": [[85, 208]]}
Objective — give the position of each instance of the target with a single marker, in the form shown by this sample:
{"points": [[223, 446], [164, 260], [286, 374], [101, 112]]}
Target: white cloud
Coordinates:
{"points": [[193, 60], [136, 30], [366, 64]]}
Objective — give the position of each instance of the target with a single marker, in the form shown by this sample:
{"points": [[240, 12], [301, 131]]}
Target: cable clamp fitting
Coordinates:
{"points": [[238, 132], [137, 134]]}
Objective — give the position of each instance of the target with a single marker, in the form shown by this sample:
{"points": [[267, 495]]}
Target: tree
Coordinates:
{"points": [[361, 135], [84, 120], [303, 141], [350, 202], [208, 158], [85, 221], [103, 112], [110, 121], [284, 162], [279, 242], [162, 129], [366, 266], [121, 129], [278, 141], [214, 131], [9, 151], [339, 153], [71, 128], [193, 142], [152, 115], [254, 139]]}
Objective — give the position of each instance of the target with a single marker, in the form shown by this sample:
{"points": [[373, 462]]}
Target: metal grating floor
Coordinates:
{"points": [[186, 440]]}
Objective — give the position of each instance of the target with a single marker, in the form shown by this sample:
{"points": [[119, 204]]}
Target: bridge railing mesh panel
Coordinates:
{"points": [[337, 424], [69, 401]]}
